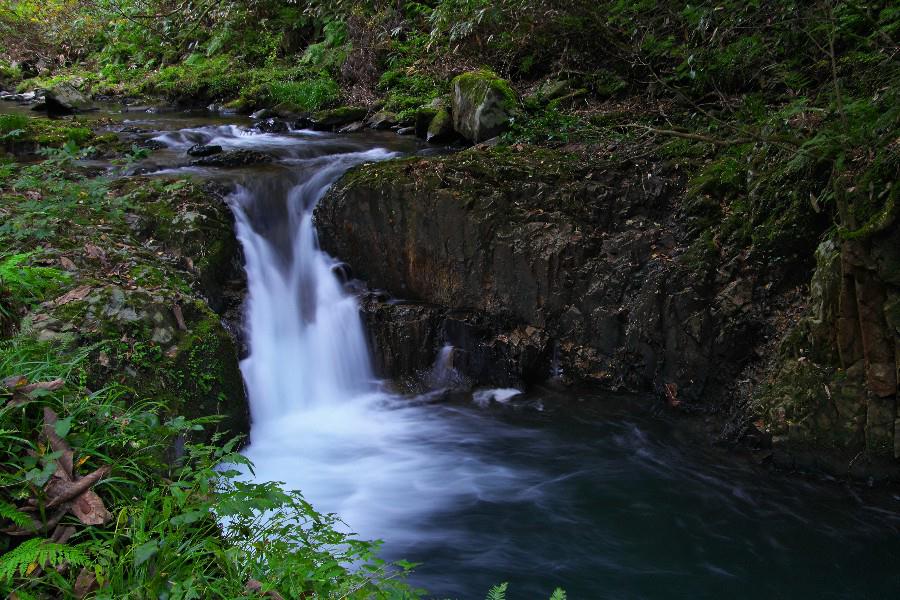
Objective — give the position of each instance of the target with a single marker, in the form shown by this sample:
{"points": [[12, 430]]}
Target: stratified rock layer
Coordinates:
{"points": [[534, 263]]}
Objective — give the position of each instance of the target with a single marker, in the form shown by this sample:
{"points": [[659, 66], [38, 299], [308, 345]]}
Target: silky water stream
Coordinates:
{"points": [[596, 493]]}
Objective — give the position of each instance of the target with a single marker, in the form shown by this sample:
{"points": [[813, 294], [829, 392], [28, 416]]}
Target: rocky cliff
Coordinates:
{"points": [[536, 264]]}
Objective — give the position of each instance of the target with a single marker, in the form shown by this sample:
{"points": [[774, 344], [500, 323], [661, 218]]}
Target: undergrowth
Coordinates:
{"points": [[182, 520]]}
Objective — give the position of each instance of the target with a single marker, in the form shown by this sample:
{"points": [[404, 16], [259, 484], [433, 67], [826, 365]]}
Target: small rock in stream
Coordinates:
{"points": [[200, 150], [236, 158]]}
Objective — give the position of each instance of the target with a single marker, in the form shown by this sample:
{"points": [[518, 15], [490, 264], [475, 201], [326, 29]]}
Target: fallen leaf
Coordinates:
{"points": [[67, 264], [93, 251], [90, 510], [14, 381], [22, 391], [79, 293], [64, 489], [85, 583]]}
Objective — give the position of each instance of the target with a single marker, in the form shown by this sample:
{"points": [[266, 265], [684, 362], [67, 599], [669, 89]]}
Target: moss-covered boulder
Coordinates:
{"points": [[146, 261], [483, 105], [329, 120], [159, 340], [66, 99]]}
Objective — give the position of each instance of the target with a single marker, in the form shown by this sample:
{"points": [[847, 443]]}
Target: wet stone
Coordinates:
{"points": [[200, 150]]}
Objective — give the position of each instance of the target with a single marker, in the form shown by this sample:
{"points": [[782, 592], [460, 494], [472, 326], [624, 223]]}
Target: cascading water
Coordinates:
{"points": [[321, 422], [532, 488], [307, 347]]}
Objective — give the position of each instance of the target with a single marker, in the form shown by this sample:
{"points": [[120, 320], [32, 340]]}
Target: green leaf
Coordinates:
{"points": [[63, 426], [188, 517], [145, 552], [498, 592]]}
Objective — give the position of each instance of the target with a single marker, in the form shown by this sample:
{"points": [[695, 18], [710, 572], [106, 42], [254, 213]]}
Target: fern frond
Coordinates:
{"points": [[558, 594], [27, 282], [498, 592], [39, 552], [10, 512]]}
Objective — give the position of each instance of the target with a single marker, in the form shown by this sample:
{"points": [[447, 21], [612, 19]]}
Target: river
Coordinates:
{"points": [[604, 495]]}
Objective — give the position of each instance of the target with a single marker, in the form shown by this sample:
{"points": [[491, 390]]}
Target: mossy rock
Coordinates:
{"points": [[31, 133], [162, 343], [483, 105], [337, 117], [806, 405], [440, 130], [423, 119]]}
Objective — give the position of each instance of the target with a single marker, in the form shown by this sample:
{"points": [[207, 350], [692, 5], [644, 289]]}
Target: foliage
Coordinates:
{"points": [[167, 535], [25, 558], [407, 92], [25, 282], [498, 592], [308, 94], [12, 126]]}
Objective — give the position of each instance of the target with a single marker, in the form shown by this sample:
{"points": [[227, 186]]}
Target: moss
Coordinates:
{"points": [[407, 93], [474, 85], [206, 373], [306, 95], [441, 126], [342, 112], [802, 406], [38, 131]]}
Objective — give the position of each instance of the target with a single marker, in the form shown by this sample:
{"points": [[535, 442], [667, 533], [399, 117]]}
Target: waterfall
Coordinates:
{"points": [[307, 346], [390, 466]]}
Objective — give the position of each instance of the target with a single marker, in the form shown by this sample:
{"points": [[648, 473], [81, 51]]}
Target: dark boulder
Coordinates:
{"points": [[333, 119], [201, 150], [233, 158]]}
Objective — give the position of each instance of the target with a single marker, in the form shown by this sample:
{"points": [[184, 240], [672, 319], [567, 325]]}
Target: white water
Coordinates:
{"points": [[320, 420]]}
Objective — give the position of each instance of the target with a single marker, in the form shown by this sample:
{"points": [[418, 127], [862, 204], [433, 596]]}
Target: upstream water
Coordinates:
{"points": [[599, 494]]}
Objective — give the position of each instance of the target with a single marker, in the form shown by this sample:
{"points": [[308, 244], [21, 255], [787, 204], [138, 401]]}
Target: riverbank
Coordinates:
{"points": [[120, 373]]}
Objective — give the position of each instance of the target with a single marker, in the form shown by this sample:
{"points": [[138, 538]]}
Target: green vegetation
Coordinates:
{"points": [[153, 522]]}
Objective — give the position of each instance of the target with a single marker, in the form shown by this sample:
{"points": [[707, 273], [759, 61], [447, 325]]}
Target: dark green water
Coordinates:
{"points": [[621, 503]]}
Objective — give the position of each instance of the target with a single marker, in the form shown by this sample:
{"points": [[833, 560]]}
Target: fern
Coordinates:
{"points": [[558, 594], [39, 552], [25, 282], [10, 512], [498, 592]]}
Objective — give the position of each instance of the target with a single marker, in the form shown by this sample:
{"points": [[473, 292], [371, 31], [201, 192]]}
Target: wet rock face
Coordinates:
{"points": [[537, 263], [846, 357]]}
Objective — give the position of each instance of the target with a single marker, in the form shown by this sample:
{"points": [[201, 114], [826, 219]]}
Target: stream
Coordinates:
{"points": [[601, 494]]}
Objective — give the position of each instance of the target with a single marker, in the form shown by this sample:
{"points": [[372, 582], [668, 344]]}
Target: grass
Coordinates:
{"points": [[309, 94], [164, 536]]}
